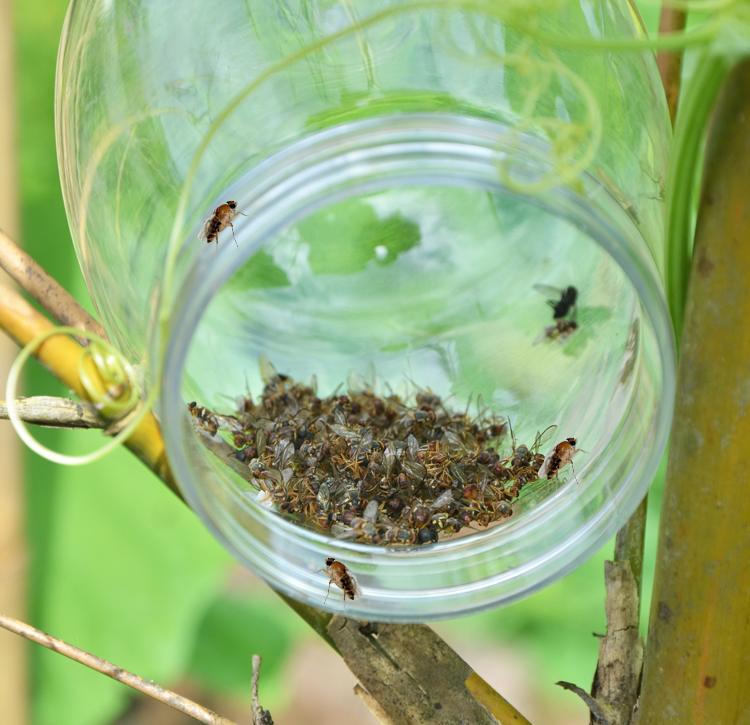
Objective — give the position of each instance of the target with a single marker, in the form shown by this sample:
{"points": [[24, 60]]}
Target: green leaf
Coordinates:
{"points": [[343, 238], [259, 272], [231, 632], [131, 571]]}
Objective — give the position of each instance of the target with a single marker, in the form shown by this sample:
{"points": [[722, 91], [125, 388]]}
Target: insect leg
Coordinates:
{"points": [[329, 592], [233, 237], [574, 471]]}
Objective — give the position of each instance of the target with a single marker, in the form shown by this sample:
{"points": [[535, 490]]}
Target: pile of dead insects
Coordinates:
{"points": [[373, 469]]}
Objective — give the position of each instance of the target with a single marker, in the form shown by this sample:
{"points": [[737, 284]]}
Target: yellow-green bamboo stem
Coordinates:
{"points": [[698, 650]]}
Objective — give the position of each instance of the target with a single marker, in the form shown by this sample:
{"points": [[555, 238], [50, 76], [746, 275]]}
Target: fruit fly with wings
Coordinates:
{"points": [[563, 302], [342, 578], [560, 331], [558, 458], [222, 218]]}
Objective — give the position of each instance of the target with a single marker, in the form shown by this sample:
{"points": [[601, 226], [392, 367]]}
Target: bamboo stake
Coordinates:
{"points": [[172, 699], [698, 649]]}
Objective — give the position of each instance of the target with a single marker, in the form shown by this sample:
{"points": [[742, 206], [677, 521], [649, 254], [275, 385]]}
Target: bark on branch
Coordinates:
{"points": [[412, 674], [55, 412]]}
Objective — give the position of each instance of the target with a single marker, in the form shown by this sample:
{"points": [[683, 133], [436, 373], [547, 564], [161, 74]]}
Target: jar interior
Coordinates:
{"points": [[429, 287]]}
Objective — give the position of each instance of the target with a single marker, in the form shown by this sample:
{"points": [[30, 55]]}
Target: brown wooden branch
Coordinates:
{"points": [[669, 62], [172, 699], [618, 672], [45, 289], [696, 664], [412, 674], [630, 542], [614, 693], [55, 412]]}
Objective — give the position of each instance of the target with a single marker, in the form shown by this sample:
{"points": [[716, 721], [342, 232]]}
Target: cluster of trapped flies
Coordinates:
{"points": [[379, 469]]}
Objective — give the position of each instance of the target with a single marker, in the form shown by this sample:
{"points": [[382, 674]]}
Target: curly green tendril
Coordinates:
{"points": [[114, 368]]}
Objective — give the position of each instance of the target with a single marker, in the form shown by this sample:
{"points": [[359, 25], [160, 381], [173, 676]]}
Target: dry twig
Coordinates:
{"points": [[175, 701], [602, 713], [618, 672], [55, 412], [615, 690], [260, 716], [45, 289]]}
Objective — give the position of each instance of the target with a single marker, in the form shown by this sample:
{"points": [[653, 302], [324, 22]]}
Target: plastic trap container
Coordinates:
{"points": [[416, 188]]}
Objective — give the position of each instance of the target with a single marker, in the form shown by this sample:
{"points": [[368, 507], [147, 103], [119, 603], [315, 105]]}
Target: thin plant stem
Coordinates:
{"points": [[172, 699], [55, 412], [692, 118]]}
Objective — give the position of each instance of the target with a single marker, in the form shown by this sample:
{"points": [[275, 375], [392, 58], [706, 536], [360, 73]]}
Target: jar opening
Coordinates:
{"points": [[387, 252]]}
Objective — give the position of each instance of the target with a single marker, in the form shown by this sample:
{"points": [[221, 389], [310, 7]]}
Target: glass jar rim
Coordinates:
{"points": [[368, 155]]}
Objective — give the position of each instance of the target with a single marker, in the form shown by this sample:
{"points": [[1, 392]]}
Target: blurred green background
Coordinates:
{"points": [[122, 569]]}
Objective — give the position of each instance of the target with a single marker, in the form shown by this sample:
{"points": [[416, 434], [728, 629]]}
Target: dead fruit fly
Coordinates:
{"points": [[560, 331], [558, 458], [221, 219], [342, 578], [565, 305]]}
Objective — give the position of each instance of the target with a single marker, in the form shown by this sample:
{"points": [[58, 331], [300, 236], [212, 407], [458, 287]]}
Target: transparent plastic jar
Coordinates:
{"points": [[409, 172]]}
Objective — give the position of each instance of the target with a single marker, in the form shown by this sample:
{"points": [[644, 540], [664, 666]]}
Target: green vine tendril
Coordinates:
{"points": [[113, 367]]}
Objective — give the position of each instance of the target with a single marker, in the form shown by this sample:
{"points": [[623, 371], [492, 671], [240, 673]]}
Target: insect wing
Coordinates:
{"points": [[412, 446], [545, 466], [203, 235], [356, 590], [544, 437], [228, 422], [547, 334], [267, 370], [548, 290], [371, 511], [442, 500], [390, 459], [324, 497]]}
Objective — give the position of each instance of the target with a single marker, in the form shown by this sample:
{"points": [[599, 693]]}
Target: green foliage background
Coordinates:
{"points": [[122, 569]]}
